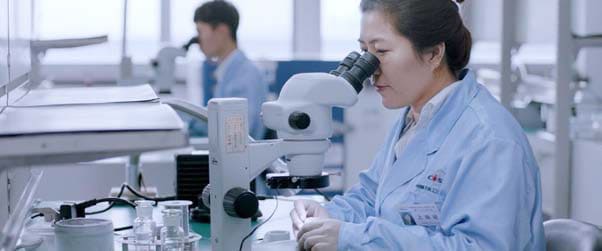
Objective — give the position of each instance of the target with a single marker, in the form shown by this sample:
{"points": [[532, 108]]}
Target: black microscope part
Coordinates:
{"points": [[193, 40], [346, 64], [240, 202], [299, 120], [362, 69], [284, 180]]}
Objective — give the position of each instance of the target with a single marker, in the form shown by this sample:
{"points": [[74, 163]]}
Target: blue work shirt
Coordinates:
{"points": [[472, 163], [242, 79]]}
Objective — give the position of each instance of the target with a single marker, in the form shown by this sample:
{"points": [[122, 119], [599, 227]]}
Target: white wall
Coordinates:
{"points": [[589, 21], [484, 19], [536, 20], [537, 24], [84, 181]]}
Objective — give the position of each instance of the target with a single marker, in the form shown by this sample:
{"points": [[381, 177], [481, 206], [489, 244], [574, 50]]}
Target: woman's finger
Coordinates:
{"points": [[300, 209]]}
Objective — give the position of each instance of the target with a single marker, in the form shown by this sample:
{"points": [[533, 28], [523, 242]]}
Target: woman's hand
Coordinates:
{"points": [[319, 235], [306, 209]]}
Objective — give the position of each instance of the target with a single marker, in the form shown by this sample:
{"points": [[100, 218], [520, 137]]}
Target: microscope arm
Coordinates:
{"points": [[262, 157], [262, 154], [196, 111]]}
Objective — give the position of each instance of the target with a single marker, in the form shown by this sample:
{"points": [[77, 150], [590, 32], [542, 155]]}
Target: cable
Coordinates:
{"points": [[134, 192], [110, 203], [81, 207], [120, 200], [122, 228], [92, 202], [260, 224], [141, 181], [36, 215], [138, 194], [101, 211], [264, 197], [326, 197]]}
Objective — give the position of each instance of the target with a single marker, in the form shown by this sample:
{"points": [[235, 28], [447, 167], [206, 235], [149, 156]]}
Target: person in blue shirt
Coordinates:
{"points": [[456, 171], [237, 76]]}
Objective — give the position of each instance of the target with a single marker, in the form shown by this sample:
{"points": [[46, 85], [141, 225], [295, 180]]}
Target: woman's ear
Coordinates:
{"points": [[434, 56]]}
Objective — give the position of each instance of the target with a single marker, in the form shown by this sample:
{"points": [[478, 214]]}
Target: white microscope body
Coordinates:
{"points": [[302, 117], [165, 67]]}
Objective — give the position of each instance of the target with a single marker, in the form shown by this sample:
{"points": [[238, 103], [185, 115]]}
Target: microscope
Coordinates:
{"points": [[164, 65], [302, 117]]}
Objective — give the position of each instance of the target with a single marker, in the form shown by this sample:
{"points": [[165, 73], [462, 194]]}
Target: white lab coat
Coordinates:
{"points": [[472, 164]]}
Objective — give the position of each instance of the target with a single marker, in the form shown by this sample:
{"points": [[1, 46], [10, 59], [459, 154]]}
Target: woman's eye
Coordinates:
{"points": [[381, 52], [363, 49]]}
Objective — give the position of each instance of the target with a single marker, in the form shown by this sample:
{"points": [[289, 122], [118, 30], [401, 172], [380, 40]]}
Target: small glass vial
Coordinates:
{"points": [[144, 226], [172, 234]]}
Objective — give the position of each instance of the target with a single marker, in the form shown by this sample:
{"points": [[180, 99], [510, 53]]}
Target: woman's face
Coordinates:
{"points": [[402, 77]]}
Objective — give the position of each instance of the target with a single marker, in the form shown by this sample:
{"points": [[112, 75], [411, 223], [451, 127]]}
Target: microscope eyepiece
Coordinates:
{"points": [[346, 64], [363, 68], [193, 40]]}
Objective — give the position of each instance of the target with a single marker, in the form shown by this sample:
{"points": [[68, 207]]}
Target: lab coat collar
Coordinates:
{"points": [[427, 141], [410, 163], [451, 109], [223, 67]]}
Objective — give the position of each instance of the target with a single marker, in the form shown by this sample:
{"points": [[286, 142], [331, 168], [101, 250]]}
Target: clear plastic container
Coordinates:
{"points": [[144, 226], [183, 206], [172, 234], [42, 229], [171, 217], [128, 242]]}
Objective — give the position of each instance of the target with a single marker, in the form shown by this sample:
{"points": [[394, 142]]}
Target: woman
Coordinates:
{"points": [[457, 162]]}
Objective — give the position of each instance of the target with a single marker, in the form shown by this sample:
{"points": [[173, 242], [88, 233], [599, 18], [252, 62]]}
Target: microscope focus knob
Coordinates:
{"points": [[299, 120], [241, 203], [206, 196]]}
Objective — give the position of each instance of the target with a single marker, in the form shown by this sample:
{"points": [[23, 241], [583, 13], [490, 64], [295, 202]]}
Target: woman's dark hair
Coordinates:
{"points": [[427, 23], [218, 12]]}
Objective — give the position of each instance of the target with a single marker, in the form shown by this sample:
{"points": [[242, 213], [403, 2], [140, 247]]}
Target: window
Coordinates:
{"points": [[340, 21], [265, 30], [56, 19]]}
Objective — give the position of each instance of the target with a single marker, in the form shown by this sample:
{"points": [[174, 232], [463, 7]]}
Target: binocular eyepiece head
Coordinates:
{"points": [[356, 68]]}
